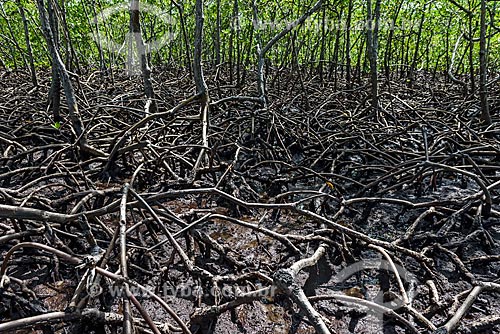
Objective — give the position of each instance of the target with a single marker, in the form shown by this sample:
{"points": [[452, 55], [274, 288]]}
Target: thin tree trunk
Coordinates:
{"points": [[262, 51], [471, 56], [238, 42], [217, 35], [483, 54], [447, 48], [55, 87], [97, 36], [71, 54], [348, 45], [182, 21], [201, 85], [417, 47], [55, 93], [231, 43], [28, 44], [107, 35], [76, 122], [322, 48], [135, 29], [336, 53], [372, 46], [13, 38], [61, 69], [388, 48], [361, 56]]}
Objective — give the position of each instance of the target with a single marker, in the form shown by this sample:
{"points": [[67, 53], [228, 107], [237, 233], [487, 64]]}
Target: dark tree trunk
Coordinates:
{"points": [[483, 54], [471, 56], [55, 87], [62, 73], [201, 85], [135, 29], [348, 45], [217, 43], [180, 8], [372, 47], [388, 48], [417, 47], [28, 44]]}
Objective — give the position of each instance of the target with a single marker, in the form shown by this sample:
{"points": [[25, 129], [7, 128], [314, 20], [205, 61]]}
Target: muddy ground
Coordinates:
{"points": [[413, 186]]}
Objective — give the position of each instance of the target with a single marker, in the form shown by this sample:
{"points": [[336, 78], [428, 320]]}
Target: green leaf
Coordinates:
{"points": [[56, 125]]}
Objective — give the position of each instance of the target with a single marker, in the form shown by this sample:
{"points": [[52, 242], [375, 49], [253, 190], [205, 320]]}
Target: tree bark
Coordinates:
{"points": [[217, 35], [201, 85], [74, 115], [372, 47], [262, 52], [180, 8], [348, 69], [28, 44], [417, 47], [483, 88], [135, 30]]}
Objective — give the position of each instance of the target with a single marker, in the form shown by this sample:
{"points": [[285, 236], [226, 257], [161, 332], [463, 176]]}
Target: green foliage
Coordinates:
{"points": [[102, 24]]}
